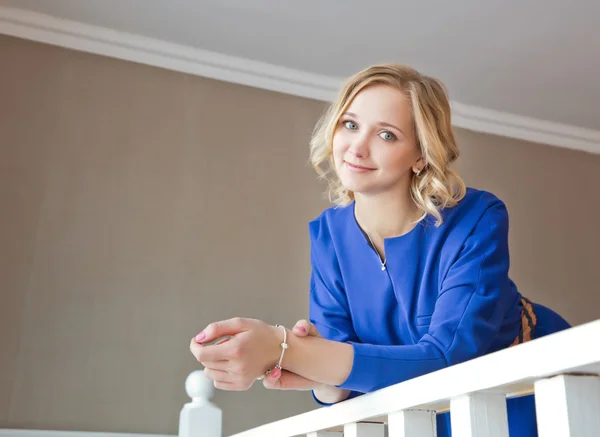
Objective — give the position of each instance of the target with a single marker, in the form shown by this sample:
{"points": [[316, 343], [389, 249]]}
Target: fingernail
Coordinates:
{"points": [[201, 336], [301, 329], [275, 373]]}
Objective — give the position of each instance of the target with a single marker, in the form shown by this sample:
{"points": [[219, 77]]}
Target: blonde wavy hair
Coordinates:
{"points": [[437, 187]]}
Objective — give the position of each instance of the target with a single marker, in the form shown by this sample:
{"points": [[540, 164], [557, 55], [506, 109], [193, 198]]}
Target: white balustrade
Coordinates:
{"points": [[412, 423], [479, 415], [568, 406], [562, 369], [364, 430]]}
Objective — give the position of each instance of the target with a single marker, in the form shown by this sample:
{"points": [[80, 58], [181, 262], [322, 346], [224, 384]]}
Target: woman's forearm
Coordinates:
{"points": [[324, 361]]}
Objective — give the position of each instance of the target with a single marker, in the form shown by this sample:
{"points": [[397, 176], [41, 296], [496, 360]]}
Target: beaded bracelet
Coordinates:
{"points": [[284, 347]]}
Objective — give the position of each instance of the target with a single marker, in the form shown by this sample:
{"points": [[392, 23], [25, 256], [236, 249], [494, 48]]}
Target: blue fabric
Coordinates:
{"points": [[445, 296], [521, 411]]}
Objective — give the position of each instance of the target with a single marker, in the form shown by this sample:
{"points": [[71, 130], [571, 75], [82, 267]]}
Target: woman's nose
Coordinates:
{"points": [[359, 147]]}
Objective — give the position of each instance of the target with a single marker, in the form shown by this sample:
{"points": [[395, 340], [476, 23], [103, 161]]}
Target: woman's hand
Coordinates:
{"points": [[247, 348], [284, 380], [234, 363]]}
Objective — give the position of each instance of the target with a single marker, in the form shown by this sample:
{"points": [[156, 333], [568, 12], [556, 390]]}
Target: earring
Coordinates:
{"points": [[418, 172]]}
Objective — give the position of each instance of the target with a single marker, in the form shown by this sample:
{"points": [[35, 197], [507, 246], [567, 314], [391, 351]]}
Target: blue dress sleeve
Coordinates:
{"points": [[328, 304], [338, 326], [467, 316]]}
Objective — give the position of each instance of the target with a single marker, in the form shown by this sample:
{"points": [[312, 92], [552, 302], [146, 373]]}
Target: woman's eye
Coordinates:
{"points": [[350, 125], [388, 136]]}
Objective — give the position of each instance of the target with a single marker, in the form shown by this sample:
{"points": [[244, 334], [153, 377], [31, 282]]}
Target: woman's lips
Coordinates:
{"points": [[357, 168]]}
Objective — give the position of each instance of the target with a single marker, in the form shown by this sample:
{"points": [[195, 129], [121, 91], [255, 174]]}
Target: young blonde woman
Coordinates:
{"points": [[409, 268]]}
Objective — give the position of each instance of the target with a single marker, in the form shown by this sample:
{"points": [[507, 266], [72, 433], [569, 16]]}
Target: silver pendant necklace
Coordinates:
{"points": [[382, 261]]}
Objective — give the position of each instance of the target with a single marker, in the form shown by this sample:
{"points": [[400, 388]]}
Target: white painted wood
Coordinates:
{"points": [[525, 128], [412, 423], [479, 415], [59, 433], [364, 430], [325, 434], [132, 47], [568, 406], [199, 417], [554, 354]]}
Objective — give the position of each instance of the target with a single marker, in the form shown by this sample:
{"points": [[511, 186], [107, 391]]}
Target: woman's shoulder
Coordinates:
{"points": [[480, 214], [473, 206], [329, 221], [483, 198], [479, 222]]}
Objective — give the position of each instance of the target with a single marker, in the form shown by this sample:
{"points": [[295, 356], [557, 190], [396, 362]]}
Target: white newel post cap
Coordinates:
{"points": [[200, 418], [198, 387]]}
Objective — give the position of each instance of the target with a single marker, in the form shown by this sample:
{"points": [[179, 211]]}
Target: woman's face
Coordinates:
{"points": [[374, 145]]}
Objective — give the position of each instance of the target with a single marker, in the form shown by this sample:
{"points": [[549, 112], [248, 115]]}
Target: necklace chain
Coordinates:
{"points": [[382, 261]]}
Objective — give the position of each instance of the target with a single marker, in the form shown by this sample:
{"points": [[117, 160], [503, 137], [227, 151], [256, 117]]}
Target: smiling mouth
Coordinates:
{"points": [[357, 167]]}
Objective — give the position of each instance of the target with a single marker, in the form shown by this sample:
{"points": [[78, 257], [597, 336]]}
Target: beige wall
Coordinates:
{"points": [[139, 204]]}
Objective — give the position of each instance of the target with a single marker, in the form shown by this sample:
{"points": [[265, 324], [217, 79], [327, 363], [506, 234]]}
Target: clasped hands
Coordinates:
{"points": [[237, 351]]}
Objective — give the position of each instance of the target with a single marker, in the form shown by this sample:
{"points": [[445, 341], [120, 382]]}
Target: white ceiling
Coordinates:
{"points": [[535, 58]]}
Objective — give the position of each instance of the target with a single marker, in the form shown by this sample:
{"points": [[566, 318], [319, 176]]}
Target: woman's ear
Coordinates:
{"points": [[419, 165]]}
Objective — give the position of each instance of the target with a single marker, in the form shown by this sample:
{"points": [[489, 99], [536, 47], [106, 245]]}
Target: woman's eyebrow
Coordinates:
{"points": [[382, 123]]}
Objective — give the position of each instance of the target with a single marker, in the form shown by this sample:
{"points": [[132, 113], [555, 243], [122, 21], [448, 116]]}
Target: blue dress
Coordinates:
{"points": [[444, 297]]}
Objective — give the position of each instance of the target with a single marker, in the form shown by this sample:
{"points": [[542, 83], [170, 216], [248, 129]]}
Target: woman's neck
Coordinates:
{"points": [[385, 216]]}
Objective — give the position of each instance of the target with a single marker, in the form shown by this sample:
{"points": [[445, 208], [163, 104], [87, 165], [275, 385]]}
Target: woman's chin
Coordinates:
{"points": [[370, 190], [357, 188]]}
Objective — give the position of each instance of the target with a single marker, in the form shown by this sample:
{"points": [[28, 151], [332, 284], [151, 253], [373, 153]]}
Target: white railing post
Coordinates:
{"points": [[479, 415], [568, 406], [199, 418], [412, 423], [364, 430]]}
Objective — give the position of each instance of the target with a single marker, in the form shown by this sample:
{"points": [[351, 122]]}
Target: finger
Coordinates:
{"points": [[216, 352], [271, 381], [289, 381], [301, 328], [195, 349], [228, 386], [305, 328], [223, 340], [218, 375], [223, 328], [224, 365]]}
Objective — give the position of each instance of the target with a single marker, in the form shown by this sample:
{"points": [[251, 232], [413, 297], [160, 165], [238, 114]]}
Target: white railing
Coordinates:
{"points": [[562, 369]]}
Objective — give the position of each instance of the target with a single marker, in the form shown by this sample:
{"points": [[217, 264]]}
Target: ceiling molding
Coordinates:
{"points": [[525, 128], [135, 48]]}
